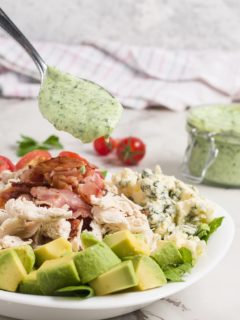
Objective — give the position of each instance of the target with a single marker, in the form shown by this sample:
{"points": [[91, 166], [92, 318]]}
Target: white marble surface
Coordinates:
{"points": [[216, 297], [193, 24]]}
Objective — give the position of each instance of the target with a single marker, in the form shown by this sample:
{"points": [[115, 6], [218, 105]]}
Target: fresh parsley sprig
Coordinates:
{"points": [[27, 144]]}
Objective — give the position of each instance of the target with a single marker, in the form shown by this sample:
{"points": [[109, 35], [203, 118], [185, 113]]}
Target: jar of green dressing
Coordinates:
{"points": [[213, 152]]}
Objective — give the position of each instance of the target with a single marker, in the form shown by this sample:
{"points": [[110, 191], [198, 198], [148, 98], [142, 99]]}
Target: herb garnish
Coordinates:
{"points": [[27, 144]]}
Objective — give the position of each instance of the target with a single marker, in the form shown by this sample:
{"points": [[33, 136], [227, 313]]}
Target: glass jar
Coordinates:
{"points": [[213, 152]]}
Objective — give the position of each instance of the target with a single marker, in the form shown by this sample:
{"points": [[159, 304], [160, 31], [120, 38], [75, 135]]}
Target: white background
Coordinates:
{"points": [[192, 24]]}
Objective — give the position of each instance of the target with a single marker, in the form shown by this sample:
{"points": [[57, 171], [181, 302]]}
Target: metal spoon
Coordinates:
{"points": [[7, 24], [74, 110]]}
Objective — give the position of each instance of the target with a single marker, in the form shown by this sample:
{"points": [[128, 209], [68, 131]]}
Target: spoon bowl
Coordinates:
{"points": [[77, 106]]}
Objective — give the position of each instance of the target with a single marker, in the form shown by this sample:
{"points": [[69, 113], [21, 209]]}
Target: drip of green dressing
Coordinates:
{"points": [[77, 106]]}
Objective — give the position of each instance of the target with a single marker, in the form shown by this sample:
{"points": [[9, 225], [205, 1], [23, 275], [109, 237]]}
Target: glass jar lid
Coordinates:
{"points": [[216, 119]]}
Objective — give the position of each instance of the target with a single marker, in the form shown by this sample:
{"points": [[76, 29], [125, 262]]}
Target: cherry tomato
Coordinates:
{"points": [[104, 146], [32, 158], [131, 150], [6, 164]]}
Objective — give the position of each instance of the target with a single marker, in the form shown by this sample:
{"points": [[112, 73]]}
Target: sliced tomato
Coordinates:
{"points": [[6, 164], [70, 154], [74, 155], [33, 158]]}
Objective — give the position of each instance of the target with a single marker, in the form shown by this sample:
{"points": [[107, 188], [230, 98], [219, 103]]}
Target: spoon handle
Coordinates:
{"points": [[7, 24]]}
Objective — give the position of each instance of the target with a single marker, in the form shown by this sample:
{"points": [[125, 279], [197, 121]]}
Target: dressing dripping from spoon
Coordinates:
{"points": [[77, 106]]}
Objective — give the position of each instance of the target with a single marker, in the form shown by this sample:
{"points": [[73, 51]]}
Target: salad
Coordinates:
{"points": [[66, 230]]}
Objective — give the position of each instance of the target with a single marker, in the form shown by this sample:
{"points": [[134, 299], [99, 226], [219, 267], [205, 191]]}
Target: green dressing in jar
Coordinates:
{"points": [[213, 153]]}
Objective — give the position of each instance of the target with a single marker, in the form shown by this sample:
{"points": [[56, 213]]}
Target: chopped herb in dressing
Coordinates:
{"points": [[77, 106]]}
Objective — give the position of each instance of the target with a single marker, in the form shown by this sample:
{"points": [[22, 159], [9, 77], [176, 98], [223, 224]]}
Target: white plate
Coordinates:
{"points": [[32, 307]]}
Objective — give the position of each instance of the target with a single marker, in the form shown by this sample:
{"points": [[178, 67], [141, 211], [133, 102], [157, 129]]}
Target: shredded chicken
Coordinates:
{"points": [[56, 229], [12, 241], [8, 177], [23, 218], [116, 212], [96, 230], [3, 215], [27, 210], [18, 227]]}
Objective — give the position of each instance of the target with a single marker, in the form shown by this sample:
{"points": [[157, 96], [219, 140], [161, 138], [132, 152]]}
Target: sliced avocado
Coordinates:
{"points": [[52, 250], [124, 243], [12, 271], [94, 261], [148, 273], [88, 239], [120, 277], [30, 284], [56, 274], [166, 254], [26, 255]]}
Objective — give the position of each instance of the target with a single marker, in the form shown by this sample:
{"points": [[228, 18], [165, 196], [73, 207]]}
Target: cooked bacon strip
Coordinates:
{"points": [[16, 190], [60, 173], [71, 174], [92, 185], [74, 227], [58, 198]]}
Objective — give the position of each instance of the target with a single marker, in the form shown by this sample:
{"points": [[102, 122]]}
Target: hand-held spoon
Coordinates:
{"points": [[77, 106], [13, 30]]}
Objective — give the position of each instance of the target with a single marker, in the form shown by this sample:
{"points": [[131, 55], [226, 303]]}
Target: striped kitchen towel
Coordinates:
{"points": [[139, 76]]}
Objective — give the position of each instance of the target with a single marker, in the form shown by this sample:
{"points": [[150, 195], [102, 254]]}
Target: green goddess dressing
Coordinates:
{"points": [[222, 123], [77, 106]]}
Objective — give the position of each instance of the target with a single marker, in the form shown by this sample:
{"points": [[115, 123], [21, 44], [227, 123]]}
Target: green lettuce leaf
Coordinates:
{"points": [[175, 273], [203, 230], [206, 230], [81, 292], [186, 255]]}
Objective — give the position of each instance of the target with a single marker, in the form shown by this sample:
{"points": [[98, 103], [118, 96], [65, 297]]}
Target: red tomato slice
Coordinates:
{"points": [[104, 146], [70, 154], [6, 164], [131, 150], [33, 158], [74, 155]]}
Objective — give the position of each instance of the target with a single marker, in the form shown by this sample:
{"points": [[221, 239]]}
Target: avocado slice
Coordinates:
{"points": [[88, 239], [124, 244], [166, 254], [120, 277], [12, 271], [148, 272], [56, 274], [30, 284], [94, 261], [26, 255], [52, 250]]}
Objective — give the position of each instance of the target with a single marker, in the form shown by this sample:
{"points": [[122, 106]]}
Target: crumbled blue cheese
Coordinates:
{"points": [[172, 207]]}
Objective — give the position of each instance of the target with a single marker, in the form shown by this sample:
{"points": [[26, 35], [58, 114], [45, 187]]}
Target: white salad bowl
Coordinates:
{"points": [[32, 307]]}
